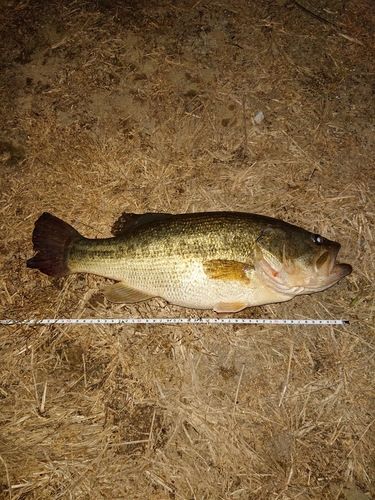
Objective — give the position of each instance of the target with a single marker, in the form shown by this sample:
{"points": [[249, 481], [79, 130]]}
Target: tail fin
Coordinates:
{"points": [[52, 239]]}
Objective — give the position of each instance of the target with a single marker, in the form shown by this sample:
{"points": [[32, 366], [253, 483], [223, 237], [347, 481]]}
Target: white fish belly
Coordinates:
{"points": [[186, 284]]}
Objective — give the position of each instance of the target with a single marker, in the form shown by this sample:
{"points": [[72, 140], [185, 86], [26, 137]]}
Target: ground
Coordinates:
{"points": [[113, 106]]}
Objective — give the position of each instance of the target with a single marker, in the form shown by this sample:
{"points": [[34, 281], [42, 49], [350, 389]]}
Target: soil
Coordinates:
{"points": [[111, 106]]}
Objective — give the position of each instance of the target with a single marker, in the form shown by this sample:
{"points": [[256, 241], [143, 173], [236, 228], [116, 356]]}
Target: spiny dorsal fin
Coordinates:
{"points": [[126, 222], [227, 270], [120, 292]]}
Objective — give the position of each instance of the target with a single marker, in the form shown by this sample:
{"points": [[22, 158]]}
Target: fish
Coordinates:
{"points": [[224, 261]]}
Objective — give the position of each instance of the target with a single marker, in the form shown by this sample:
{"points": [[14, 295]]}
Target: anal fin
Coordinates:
{"points": [[120, 292]]}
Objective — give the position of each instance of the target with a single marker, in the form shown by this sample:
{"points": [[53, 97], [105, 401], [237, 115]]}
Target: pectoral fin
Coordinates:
{"points": [[119, 292], [227, 270]]}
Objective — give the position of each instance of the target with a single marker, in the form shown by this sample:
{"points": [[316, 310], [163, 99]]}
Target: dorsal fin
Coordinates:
{"points": [[126, 222]]}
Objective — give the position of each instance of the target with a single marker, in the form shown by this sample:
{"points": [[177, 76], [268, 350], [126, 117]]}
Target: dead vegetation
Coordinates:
{"points": [[149, 106]]}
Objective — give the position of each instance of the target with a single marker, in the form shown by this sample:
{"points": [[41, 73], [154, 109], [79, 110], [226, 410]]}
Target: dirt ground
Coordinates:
{"points": [[256, 106]]}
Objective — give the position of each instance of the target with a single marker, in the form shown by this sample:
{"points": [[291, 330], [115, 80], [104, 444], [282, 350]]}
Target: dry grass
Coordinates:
{"points": [[113, 106]]}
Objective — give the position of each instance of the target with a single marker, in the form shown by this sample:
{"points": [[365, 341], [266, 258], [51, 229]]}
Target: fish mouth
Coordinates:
{"points": [[327, 267]]}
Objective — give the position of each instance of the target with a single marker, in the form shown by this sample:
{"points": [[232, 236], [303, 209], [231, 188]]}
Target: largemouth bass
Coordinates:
{"points": [[224, 261]]}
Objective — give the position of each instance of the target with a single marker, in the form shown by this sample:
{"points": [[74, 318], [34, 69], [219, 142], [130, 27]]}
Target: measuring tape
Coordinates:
{"points": [[172, 321]]}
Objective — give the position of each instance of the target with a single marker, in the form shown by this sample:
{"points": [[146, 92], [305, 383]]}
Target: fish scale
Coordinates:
{"points": [[167, 259]]}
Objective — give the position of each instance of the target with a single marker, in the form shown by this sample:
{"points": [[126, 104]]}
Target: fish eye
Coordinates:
{"points": [[317, 239]]}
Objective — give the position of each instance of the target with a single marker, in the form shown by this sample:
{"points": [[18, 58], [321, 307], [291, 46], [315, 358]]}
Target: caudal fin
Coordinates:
{"points": [[52, 239]]}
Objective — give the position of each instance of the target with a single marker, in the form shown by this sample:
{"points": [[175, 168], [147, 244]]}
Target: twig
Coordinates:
{"points": [[325, 21], [287, 376]]}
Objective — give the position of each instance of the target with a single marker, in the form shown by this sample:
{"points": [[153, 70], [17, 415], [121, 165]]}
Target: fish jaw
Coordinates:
{"points": [[327, 269], [312, 272]]}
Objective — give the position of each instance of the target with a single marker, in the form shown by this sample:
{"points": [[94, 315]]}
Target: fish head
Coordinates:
{"points": [[294, 261]]}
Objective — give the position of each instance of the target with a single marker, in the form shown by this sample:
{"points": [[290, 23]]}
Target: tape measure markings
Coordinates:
{"points": [[172, 321]]}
